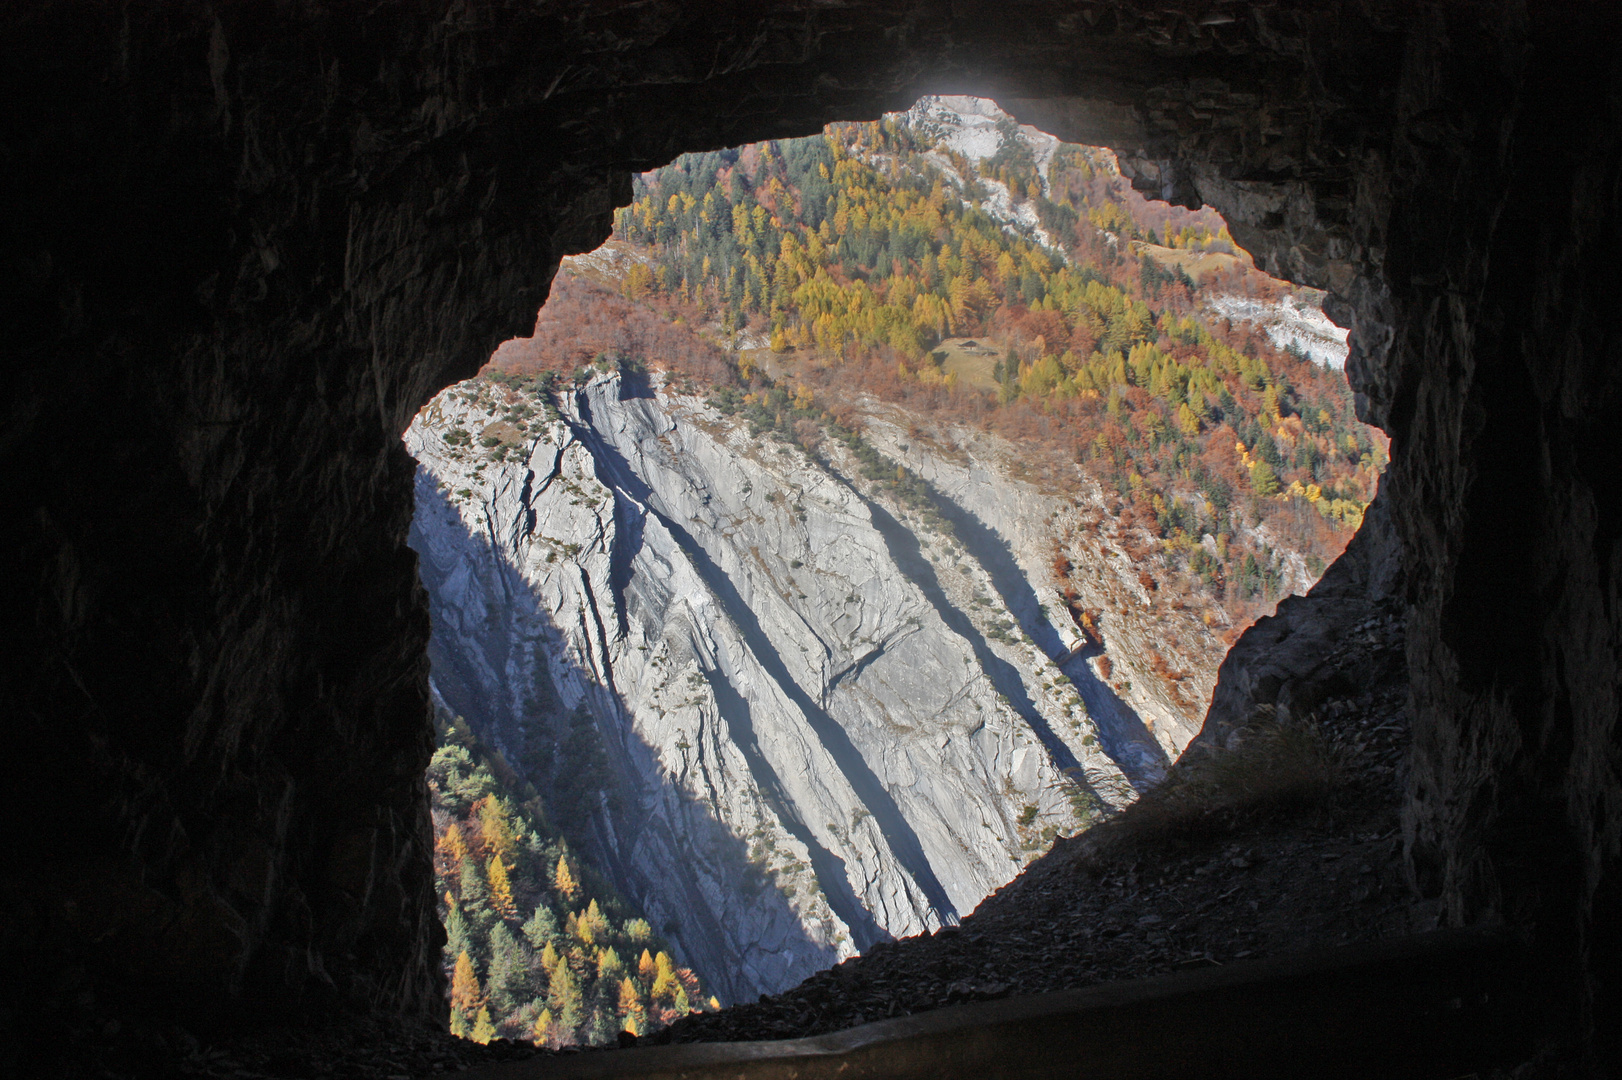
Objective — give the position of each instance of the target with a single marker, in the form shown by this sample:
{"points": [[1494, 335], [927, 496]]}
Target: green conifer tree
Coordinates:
{"points": [[456, 932], [475, 894], [508, 974], [541, 926], [601, 1027], [572, 1017], [563, 994], [1263, 479]]}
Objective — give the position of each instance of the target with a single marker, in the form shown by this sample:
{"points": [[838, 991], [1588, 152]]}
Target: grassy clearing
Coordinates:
{"points": [[971, 360], [1198, 265]]}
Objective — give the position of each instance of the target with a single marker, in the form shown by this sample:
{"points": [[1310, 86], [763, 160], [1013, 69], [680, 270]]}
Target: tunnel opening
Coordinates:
{"points": [[952, 378], [254, 247]]}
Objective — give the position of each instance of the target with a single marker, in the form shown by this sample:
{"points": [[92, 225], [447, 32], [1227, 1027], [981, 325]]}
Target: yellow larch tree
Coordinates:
{"points": [[483, 1029], [630, 1004], [645, 968], [664, 979], [466, 994], [495, 827], [453, 844], [568, 885], [595, 917], [501, 890]]}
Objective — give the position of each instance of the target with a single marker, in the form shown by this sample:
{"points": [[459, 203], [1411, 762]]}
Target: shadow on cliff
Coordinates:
{"points": [[615, 824], [903, 547], [1123, 734], [887, 815]]}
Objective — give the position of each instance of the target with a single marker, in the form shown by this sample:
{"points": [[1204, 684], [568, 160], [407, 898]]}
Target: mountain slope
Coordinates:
{"points": [[802, 750], [981, 273]]}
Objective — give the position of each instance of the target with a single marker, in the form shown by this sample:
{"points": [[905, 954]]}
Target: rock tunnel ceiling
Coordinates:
{"points": [[248, 245]]}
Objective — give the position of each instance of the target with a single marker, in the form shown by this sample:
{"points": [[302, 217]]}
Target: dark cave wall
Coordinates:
{"points": [[245, 241], [1504, 383]]}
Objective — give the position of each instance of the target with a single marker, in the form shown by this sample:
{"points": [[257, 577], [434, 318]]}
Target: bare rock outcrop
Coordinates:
{"points": [[810, 745]]}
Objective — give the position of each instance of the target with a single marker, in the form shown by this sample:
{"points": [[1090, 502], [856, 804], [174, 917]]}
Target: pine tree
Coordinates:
{"points": [[509, 968], [457, 940], [570, 1021], [542, 926], [459, 1023], [501, 890], [563, 995], [601, 1027], [562, 989], [549, 957], [474, 891], [466, 993], [1263, 480], [483, 1029], [645, 968]]}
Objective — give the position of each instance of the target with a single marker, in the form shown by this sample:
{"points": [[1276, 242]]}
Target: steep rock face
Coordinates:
{"points": [[1015, 526], [807, 753], [246, 247]]}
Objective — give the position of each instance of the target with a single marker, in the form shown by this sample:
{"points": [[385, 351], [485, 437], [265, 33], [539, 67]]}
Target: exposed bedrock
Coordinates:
{"points": [[246, 242], [808, 747]]}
